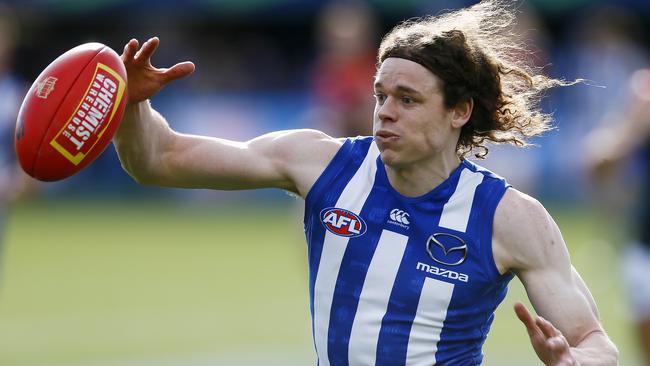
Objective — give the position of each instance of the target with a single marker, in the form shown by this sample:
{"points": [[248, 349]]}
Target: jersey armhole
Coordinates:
{"points": [[332, 169], [488, 231]]}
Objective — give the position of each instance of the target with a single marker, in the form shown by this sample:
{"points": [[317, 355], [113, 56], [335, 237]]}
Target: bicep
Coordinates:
{"points": [[284, 159]]}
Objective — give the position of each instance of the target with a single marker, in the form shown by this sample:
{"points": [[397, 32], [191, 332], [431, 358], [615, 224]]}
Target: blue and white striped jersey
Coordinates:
{"points": [[397, 280]]}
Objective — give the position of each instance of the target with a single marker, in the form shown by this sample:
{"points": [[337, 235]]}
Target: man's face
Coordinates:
{"points": [[411, 124]]}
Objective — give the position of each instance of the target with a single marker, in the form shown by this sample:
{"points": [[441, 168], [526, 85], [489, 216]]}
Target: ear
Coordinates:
{"points": [[461, 113]]}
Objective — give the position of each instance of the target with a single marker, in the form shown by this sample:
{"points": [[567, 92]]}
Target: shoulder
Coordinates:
{"points": [[302, 155], [304, 145], [305, 137], [523, 229], [518, 207], [493, 184]]}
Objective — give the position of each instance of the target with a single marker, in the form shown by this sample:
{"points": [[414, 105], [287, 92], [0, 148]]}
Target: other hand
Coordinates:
{"points": [[551, 346], [144, 80]]}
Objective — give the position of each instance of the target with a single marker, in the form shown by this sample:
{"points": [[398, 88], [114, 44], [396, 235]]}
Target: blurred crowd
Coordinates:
{"points": [[263, 66]]}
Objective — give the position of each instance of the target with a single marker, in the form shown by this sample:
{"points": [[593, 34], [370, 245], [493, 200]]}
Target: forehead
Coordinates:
{"points": [[398, 71]]}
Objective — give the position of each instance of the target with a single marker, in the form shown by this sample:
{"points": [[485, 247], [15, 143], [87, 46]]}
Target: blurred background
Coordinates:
{"points": [[96, 270]]}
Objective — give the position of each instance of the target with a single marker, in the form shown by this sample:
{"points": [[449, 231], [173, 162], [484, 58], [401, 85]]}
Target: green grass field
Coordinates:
{"points": [[163, 284]]}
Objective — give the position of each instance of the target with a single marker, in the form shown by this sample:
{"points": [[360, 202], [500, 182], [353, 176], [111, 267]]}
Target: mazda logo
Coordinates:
{"points": [[453, 253]]}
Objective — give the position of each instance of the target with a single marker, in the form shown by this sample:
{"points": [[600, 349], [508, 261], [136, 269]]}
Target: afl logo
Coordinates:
{"points": [[342, 222]]}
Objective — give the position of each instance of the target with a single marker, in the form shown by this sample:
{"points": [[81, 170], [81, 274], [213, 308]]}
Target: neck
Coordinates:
{"points": [[419, 178]]}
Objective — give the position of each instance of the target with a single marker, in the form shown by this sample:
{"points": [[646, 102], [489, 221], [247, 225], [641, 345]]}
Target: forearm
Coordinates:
{"points": [[141, 140], [595, 350], [153, 154]]}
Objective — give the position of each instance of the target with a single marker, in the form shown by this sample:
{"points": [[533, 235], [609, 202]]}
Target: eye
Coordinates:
{"points": [[380, 98], [407, 100]]}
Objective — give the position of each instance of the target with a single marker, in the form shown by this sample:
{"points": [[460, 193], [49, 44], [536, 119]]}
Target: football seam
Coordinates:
{"points": [[40, 145]]}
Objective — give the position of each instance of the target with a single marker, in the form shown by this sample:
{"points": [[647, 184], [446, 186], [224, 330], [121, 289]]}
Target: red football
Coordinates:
{"points": [[71, 112]]}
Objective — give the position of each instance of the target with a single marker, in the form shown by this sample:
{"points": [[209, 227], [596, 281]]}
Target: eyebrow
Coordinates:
{"points": [[401, 88]]}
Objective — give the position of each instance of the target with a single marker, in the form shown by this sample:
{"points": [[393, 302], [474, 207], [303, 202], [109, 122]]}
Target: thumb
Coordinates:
{"points": [[524, 315], [179, 70], [529, 322]]}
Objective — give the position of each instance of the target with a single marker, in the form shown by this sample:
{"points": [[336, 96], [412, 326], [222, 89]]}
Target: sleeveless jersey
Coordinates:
{"points": [[396, 280]]}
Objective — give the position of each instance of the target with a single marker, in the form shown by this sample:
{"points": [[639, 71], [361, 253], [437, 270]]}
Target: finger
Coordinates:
{"points": [[524, 315], [178, 71], [547, 328], [535, 334], [147, 50], [129, 50]]}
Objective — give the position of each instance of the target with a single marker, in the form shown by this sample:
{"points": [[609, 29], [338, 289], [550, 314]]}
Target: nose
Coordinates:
{"points": [[386, 112]]}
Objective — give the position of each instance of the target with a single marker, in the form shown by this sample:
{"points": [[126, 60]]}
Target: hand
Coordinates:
{"points": [[144, 79], [549, 343]]}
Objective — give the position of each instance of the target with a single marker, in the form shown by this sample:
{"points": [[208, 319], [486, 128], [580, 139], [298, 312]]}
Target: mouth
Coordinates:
{"points": [[386, 136]]}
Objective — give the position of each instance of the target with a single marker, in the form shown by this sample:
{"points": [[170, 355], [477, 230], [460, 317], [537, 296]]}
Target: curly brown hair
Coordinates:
{"points": [[477, 55]]}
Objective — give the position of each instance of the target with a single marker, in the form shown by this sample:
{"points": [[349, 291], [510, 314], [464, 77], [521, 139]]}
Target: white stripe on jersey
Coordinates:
{"points": [[373, 300], [427, 325], [455, 214], [352, 199]]}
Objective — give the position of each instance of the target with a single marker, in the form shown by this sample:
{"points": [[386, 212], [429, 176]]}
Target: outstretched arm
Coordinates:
{"points": [[569, 331], [152, 153]]}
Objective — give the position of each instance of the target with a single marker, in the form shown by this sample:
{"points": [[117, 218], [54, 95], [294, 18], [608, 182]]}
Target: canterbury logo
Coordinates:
{"points": [[400, 216]]}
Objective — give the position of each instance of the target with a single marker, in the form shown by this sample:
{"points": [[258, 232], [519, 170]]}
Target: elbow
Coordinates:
{"points": [[609, 355], [613, 354], [598, 350]]}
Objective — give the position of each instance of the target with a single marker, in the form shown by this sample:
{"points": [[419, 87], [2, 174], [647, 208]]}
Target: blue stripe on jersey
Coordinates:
{"points": [[342, 222], [374, 297], [354, 266], [398, 320], [327, 189], [397, 323], [461, 344]]}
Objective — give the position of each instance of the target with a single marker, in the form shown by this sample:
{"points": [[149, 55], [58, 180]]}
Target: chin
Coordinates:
{"points": [[389, 158]]}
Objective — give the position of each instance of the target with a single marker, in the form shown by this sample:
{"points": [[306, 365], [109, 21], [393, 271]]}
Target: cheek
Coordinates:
{"points": [[375, 113], [429, 135]]}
